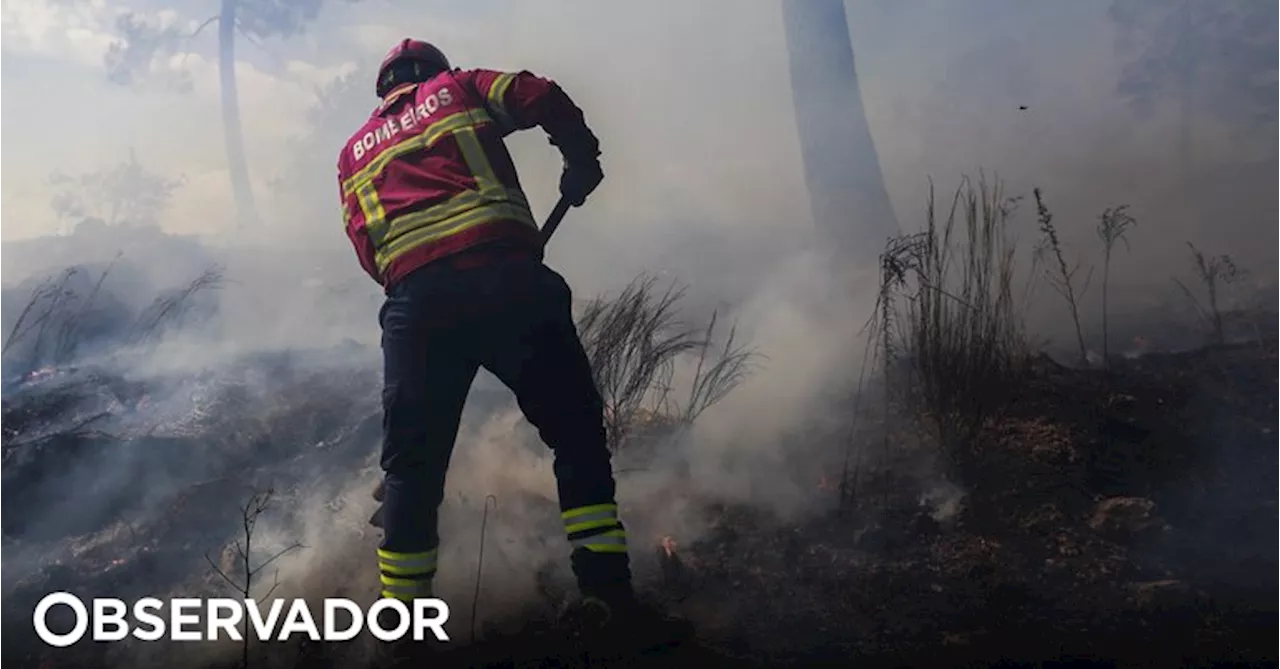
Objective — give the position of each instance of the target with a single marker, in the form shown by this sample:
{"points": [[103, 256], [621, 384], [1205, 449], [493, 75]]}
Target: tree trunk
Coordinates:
{"points": [[237, 165], [847, 194]]}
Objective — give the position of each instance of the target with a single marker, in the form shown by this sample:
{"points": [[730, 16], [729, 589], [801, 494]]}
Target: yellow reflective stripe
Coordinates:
{"points": [[590, 525], [478, 163], [498, 90], [455, 206], [490, 201], [613, 541], [498, 93], [591, 521], [407, 564], [458, 204], [402, 583], [583, 510], [594, 515], [427, 137], [465, 221], [405, 588], [375, 216], [393, 556], [401, 570]]}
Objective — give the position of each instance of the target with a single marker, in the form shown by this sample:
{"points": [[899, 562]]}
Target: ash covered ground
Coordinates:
{"points": [[1102, 517]]}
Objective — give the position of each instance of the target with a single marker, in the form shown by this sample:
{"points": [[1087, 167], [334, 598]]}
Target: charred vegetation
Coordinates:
{"points": [[989, 503]]}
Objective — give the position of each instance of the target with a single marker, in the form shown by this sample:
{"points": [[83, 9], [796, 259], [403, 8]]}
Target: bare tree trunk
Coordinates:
{"points": [[242, 191], [847, 193]]}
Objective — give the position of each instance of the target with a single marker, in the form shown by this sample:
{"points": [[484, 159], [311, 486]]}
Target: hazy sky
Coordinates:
{"points": [[702, 86], [690, 99], [54, 75]]}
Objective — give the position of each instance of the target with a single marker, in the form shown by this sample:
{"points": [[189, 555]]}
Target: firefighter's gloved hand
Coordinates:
{"points": [[579, 179]]}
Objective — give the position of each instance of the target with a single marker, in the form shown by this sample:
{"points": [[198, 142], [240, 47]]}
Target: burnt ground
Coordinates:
{"points": [[1122, 518]]}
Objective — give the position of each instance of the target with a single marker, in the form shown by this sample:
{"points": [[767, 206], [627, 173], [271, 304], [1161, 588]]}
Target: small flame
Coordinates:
{"points": [[669, 545], [824, 483], [1140, 346]]}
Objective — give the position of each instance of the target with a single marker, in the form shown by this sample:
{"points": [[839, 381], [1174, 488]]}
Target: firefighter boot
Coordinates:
{"points": [[618, 624]]}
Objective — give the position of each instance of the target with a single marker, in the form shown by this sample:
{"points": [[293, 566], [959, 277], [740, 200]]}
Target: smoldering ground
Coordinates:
{"points": [[201, 429]]}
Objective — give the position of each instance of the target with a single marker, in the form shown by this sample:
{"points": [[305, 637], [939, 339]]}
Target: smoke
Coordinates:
{"points": [[703, 185]]}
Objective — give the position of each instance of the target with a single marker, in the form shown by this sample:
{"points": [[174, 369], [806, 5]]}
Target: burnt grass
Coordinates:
{"points": [[1117, 518], [1120, 518]]}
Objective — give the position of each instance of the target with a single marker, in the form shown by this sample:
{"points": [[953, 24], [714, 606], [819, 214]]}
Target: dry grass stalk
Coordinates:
{"points": [[51, 293], [173, 306], [1213, 272], [250, 512], [1059, 276], [715, 377], [1113, 226], [633, 342], [946, 312]]}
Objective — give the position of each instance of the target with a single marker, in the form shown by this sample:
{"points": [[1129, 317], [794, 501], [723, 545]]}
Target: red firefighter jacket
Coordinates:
{"points": [[429, 175]]}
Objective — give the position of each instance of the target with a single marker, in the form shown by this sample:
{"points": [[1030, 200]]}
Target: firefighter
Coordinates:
{"points": [[435, 211]]}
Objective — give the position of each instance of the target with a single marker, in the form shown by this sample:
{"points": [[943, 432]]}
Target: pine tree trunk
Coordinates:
{"points": [[237, 165], [847, 194]]}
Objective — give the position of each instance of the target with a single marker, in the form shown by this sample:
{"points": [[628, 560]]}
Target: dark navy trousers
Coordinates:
{"points": [[512, 316]]}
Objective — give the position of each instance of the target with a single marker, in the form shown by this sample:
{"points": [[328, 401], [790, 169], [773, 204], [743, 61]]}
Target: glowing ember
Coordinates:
{"points": [[1140, 347], [669, 545]]}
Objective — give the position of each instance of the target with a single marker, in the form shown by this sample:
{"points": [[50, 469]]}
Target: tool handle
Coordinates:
{"points": [[553, 220]]}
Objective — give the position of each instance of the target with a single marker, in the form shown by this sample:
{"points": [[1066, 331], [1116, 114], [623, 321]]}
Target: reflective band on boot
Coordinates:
{"points": [[406, 576], [595, 528]]}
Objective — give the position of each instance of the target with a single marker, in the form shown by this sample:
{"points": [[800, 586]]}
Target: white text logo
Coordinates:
{"points": [[391, 127], [212, 619]]}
